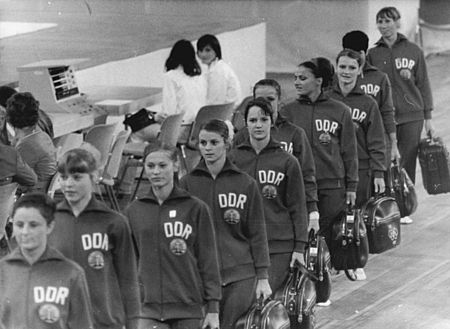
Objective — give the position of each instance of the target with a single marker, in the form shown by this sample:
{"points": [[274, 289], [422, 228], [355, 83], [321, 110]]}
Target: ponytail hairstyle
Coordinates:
{"points": [[321, 68]]}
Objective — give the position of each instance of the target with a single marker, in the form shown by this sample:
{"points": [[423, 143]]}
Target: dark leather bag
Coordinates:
{"points": [[298, 295], [349, 243], [139, 120], [318, 261], [270, 314], [382, 218], [403, 190]]}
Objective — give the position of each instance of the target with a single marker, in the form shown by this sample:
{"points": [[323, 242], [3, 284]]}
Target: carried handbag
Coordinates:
{"points": [[349, 244], [403, 190], [269, 314], [139, 120], [382, 218], [318, 261], [298, 295]]}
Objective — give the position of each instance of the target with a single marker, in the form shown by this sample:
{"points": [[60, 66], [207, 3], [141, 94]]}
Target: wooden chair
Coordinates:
{"points": [[238, 119], [68, 142], [101, 136], [7, 199]]}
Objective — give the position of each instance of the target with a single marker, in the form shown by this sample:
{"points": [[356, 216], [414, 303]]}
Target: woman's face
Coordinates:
{"points": [[77, 186], [347, 70], [258, 123], [270, 94], [306, 83], [212, 146], [30, 229], [160, 168], [207, 55], [387, 26]]}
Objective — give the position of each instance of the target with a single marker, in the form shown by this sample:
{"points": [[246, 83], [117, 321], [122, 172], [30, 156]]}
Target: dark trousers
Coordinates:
{"points": [[365, 187], [332, 202], [237, 297], [170, 324], [408, 136], [278, 270]]}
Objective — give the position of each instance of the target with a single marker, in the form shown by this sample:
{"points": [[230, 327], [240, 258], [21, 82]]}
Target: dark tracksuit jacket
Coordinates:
{"points": [[329, 127], [13, 169], [238, 215], [99, 240], [178, 267], [369, 129], [293, 139], [412, 98], [51, 293], [280, 181], [376, 84]]}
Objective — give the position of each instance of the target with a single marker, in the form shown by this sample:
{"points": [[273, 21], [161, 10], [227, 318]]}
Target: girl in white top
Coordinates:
{"points": [[222, 83], [184, 88]]}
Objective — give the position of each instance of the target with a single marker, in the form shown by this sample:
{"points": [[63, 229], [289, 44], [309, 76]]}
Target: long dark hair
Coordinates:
{"points": [[183, 53]]}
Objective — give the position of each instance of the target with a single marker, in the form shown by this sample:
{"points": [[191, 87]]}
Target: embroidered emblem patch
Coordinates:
{"points": [[178, 247], [324, 138], [232, 216], [96, 260], [269, 192], [393, 234], [49, 313]]}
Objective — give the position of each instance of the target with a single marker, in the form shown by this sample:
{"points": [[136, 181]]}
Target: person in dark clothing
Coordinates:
{"points": [[177, 251], [293, 139], [39, 287], [280, 182], [238, 215]]}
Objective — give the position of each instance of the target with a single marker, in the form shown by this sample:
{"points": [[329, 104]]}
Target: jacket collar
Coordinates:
{"points": [[306, 100], [93, 205], [273, 144], [354, 91], [202, 169], [49, 254], [177, 193], [400, 38]]}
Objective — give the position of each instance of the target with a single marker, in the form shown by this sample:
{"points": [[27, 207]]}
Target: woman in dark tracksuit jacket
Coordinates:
{"points": [[238, 215], [178, 267], [329, 127], [280, 181], [368, 124], [39, 287], [404, 63], [98, 239]]}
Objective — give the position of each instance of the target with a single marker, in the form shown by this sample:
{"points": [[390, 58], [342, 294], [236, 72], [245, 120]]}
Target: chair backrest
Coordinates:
{"points": [[7, 198], [206, 113], [101, 136], [115, 156], [170, 129], [238, 120], [68, 142]]}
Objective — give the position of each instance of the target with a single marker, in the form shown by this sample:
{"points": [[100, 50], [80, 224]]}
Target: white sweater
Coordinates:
{"points": [[223, 84]]}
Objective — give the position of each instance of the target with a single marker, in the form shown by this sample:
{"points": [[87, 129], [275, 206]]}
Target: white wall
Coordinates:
{"points": [[243, 49]]}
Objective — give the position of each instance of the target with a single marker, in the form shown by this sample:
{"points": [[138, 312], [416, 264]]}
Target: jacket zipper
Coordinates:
{"points": [[160, 263]]}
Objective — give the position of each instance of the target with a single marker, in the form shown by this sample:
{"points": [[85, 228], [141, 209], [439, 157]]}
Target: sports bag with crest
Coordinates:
{"points": [[318, 261], [298, 295], [403, 190], [269, 314], [382, 218], [349, 243]]}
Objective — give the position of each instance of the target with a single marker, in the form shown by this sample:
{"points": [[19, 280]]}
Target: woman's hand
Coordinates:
{"points": [[211, 321], [350, 198], [379, 185], [160, 117], [297, 257], [429, 128], [314, 221], [263, 289], [395, 154]]}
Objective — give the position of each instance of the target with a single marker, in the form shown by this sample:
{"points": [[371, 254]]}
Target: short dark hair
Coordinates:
{"points": [[268, 82], [212, 41], [350, 53], [217, 126], [79, 161], [158, 146], [183, 53], [389, 12], [39, 201], [356, 40], [320, 68], [5, 93], [22, 110], [262, 104]]}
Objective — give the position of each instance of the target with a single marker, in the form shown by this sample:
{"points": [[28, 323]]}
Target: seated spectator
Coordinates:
{"points": [[44, 121], [222, 83], [35, 146]]}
